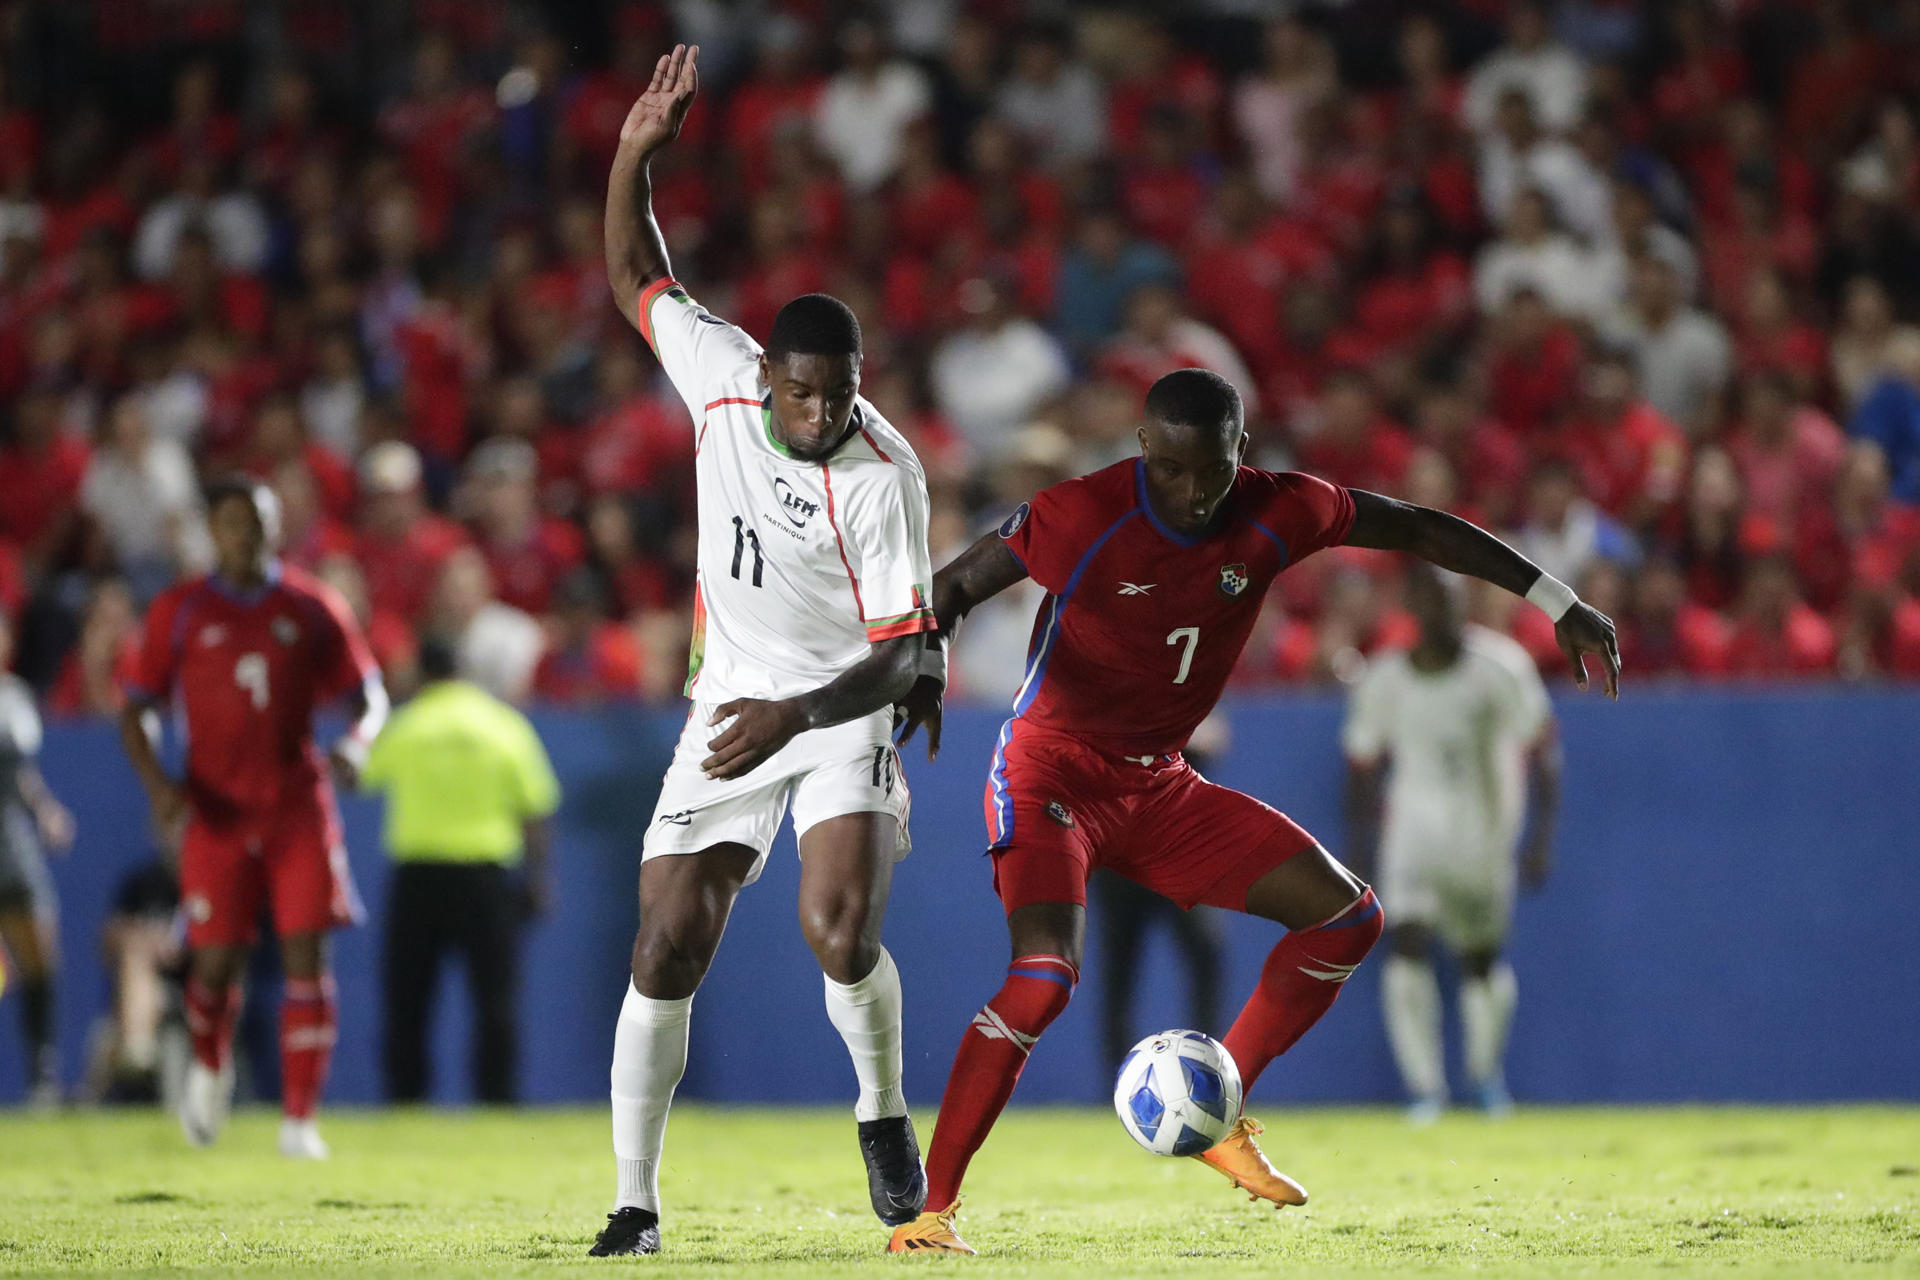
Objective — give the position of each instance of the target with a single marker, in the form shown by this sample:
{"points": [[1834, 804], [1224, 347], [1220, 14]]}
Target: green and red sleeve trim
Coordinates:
{"points": [[903, 624], [643, 312]]}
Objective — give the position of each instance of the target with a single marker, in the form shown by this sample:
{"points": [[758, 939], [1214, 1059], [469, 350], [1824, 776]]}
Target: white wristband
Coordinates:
{"points": [[933, 659], [1552, 595]]}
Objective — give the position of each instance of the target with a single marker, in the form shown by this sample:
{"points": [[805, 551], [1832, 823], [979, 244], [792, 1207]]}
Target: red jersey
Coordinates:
{"points": [[1142, 626], [249, 671]]}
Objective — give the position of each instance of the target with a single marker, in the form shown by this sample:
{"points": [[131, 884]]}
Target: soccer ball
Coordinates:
{"points": [[1178, 1093]]}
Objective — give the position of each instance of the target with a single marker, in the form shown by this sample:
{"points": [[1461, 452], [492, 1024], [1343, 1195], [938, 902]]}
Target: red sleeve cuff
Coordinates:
{"points": [[643, 311]]}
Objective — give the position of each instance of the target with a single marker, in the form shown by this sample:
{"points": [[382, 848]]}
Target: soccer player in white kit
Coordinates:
{"points": [[810, 621], [1463, 731]]}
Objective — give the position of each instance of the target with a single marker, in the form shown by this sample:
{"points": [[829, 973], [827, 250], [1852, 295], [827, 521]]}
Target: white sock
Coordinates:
{"points": [[1486, 1014], [649, 1056], [867, 1015], [1411, 998]]}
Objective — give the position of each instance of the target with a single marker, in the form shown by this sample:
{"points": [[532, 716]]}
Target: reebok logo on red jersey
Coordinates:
{"points": [[1136, 588]]}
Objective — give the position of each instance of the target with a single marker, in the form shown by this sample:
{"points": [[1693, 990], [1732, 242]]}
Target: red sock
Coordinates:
{"points": [[306, 1043], [210, 1019], [992, 1053], [1299, 982]]}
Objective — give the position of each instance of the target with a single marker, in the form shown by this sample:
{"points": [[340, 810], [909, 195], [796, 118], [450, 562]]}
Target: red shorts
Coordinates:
{"points": [[294, 863], [1056, 809]]}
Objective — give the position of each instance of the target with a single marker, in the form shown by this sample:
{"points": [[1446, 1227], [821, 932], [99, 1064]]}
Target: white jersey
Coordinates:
{"points": [[1457, 741], [802, 565]]}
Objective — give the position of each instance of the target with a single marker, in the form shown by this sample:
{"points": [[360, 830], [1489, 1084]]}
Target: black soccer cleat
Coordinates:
{"points": [[896, 1180], [629, 1231]]}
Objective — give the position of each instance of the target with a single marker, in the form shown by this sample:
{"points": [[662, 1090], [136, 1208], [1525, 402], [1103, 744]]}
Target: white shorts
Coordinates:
{"points": [[822, 773], [1466, 899]]}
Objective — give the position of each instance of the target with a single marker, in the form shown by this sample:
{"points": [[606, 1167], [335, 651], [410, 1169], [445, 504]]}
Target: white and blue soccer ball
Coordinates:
{"points": [[1178, 1093]]}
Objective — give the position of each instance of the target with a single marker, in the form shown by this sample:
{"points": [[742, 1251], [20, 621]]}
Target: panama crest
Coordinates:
{"points": [[1233, 579]]}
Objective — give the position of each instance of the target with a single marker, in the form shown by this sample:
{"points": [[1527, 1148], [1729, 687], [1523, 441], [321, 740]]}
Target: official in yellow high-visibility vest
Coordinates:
{"points": [[469, 789]]}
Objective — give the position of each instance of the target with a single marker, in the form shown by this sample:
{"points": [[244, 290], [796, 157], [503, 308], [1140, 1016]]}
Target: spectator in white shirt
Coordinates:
{"points": [[1533, 257], [1634, 229], [1683, 355], [1553, 77], [866, 109], [141, 495], [1516, 155], [498, 645], [1055, 101], [990, 377], [235, 224], [1267, 107]]}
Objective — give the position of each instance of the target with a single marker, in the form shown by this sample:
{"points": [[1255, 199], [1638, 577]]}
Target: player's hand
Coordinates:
{"points": [[921, 706], [655, 118], [347, 757], [758, 730], [1536, 864], [55, 821], [1582, 630]]}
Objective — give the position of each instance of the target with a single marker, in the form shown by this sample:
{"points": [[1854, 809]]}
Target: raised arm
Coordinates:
{"points": [[1387, 524], [636, 252], [977, 574]]}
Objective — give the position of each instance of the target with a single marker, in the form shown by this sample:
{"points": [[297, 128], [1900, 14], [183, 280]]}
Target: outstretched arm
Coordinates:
{"points": [[1387, 524], [636, 252], [761, 728], [977, 574]]}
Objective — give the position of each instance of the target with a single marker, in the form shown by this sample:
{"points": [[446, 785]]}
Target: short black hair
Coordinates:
{"points": [[1197, 398], [815, 324], [438, 660], [235, 485]]}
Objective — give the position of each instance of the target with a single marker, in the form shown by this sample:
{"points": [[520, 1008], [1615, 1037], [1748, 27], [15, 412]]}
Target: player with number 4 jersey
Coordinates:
{"points": [[1155, 570], [813, 598]]}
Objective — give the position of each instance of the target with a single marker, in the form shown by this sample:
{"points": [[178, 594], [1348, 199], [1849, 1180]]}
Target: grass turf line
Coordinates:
{"points": [[1757, 1193]]}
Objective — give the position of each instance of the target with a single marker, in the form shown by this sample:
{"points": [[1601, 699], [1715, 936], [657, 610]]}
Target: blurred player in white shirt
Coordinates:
{"points": [[810, 621], [1457, 734]]}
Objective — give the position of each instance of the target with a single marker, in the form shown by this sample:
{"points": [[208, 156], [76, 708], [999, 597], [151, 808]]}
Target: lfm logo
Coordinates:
{"points": [[795, 508]]}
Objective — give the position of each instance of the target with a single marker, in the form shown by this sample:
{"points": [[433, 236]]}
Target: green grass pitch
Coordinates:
{"points": [[1673, 1193]]}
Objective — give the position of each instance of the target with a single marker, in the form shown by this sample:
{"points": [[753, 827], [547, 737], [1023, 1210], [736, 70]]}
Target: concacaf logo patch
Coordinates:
{"points": [[1060, 813], [1233, 579], [1011, 525]]}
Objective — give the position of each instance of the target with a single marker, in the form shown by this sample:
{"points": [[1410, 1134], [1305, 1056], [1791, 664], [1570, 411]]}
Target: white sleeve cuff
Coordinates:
{"points": [[1552, 595]]}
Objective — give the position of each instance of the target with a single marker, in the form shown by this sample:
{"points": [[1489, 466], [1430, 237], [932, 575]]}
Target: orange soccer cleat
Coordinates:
{"points": [[1239, 1157], [931, 1232]]}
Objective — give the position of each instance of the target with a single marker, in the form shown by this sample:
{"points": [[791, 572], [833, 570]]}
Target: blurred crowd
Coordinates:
{"points": [[1633, 284]]}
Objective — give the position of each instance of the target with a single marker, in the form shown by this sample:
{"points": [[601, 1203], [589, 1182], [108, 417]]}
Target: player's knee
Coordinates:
{"points": [[666, 966], [1478, 964], [841, 935], [1350, 935]]}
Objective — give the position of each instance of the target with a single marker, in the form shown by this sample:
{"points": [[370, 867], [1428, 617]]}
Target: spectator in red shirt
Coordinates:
{"points": [[1162, 186], [1632, 459], [1241, 260], [1708, 541], [1533, 363], [41, 467], [1771, 336], [1414, 295], [1858, 532], [1666, 633], [588, 661], [433, 126], [930, 204], [1160, 337], [309, 536], [96, 670], [1775, 634], [399, 542], [1356, 444], [1789, 453], [634, 584], [528, 553], [1487, 458], [781, 93]]}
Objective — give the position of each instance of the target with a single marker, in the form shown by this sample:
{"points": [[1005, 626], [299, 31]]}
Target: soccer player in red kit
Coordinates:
{"points": [[1154, 570], [249, 654]]}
